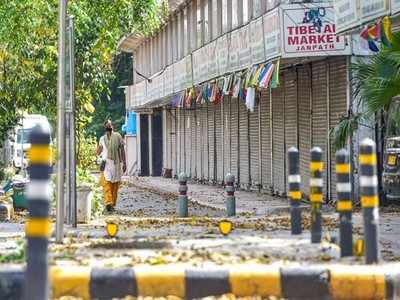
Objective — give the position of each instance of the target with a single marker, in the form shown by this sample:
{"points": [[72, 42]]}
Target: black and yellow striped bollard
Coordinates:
{"points": [[369, 199], [316, 197], [344, 204], [294, 181], [38, 226]]}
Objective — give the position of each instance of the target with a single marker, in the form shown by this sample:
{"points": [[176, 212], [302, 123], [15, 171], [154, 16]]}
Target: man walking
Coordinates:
{"points": [[111, 149]]}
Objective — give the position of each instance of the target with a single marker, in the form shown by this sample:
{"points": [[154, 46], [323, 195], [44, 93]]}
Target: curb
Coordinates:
{"points": [[316, 282]]}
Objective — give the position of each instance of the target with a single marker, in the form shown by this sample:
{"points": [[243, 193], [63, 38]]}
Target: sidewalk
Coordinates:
{"points": [[214, 196]]}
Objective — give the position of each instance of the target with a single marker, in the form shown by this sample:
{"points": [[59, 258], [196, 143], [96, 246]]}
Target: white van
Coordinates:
{"points": [[21, 138]]}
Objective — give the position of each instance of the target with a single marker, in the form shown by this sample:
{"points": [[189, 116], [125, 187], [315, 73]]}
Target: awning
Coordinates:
{"points": [[144, 108], [130, 42]]}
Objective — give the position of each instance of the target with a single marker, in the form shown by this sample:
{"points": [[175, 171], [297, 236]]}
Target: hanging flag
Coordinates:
{"points": [[267, 76], [374, 32], [368, 34], [199, 94], [372, 46], [254, 81], [250, 98], [386, 32], [364, 33], [275, 76], [236, 87]]}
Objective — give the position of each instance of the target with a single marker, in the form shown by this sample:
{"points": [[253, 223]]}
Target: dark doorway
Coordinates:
{"points": [[157, 133], [144, 145]]}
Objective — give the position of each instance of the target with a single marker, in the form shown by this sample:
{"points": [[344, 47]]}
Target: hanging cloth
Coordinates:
{"points": [[250, 99]]}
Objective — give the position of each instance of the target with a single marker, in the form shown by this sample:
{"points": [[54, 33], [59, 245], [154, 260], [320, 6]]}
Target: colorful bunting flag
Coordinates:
{"points": [[386, 32], [264, 82], [275, 76]]}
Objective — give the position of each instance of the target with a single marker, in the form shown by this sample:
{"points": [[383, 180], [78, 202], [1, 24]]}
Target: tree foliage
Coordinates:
{"points": [[375, 82], [28, 52]]}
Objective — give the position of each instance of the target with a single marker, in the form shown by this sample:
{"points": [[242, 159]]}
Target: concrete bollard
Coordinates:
{"points": [[230, 195], [344, 204], [182, 198], [38, 226], [294, 180], [369, 199], [316, 197]]}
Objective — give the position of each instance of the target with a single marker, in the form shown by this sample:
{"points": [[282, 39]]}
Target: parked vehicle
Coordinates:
{"points": [[21, 138], [391, 168]]}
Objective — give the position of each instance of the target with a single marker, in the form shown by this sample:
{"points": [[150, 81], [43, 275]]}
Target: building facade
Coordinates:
{"points": [[208, 43]]}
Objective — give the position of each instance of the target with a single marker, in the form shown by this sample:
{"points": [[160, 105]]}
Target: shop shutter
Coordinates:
{"points": [[211, 142], [174, 140], [181, 140], [193, 142], [337, 105], [205, 142], [244, 163], [168, 130], [278, 146], [188, 144], [218, 143], [234, 138], [266, 149], [291, 127], [199, 137], [227, 134], [304, 102], [254, 144], [319, 110]]}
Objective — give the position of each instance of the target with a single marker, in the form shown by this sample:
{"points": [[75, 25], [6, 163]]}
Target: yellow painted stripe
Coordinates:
{"points": [[357, 285], [40, 154], [295, 195], [38, 227], [316, 166], [158, 282], [73, 282], [316, 197], [342, 168], [369, 201], [344, 205], [263, 283], [367, 159]]}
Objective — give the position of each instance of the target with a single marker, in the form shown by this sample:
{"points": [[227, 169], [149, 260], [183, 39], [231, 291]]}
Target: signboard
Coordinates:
{"points": [[179, 75], [132, 97], [372, 9], [196, 66], [272, 34], [257, 41], [233, 46], [244, 47], [168, 81], [309, 31], [189, 75], [346, 14], [211, 50], [395, 6], [141, 92], [222, 54]]}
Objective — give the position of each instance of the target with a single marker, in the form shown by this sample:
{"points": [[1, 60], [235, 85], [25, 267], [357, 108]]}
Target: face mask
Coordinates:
{"points": [[108, 129]]}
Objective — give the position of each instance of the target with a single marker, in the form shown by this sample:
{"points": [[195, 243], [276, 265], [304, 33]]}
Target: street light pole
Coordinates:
{"points": [[61, 121]]}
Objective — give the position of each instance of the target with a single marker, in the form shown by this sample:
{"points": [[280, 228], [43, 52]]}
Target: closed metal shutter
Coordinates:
{"points": [[167, 140], [337, 105], [219, 143], [319, 110], [227, 134], [211, 142], [254, 144], [304, 101], [193, 143], [181, 145], [278, 146], [266, 145], [204, 141], [174, 148], [291, 127], [244, 163], [199, 137], [235, 138], [188, 143]]}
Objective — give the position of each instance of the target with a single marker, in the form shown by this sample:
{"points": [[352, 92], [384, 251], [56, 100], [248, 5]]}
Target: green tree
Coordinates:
{"points": [[375, 81], [28, 53]]}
